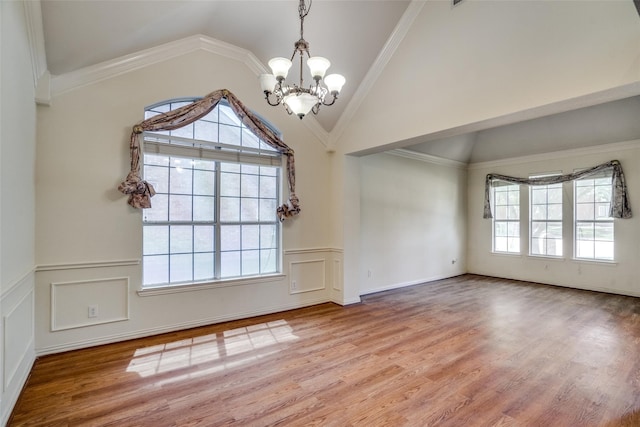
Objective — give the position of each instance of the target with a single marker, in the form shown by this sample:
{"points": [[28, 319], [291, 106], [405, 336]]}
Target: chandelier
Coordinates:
{"points": [[295, 98]]}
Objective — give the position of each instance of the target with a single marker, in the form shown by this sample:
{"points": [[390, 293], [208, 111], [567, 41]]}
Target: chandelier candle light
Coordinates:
{"points": [[296, 98]]}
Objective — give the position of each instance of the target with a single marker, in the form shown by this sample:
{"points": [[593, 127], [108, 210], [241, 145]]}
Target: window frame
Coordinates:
{"points": [[511, 188], [597, 219], [220, 155], [547, 221]]}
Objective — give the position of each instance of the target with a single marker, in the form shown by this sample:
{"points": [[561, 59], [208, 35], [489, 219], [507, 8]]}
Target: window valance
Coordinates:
{"points": [[140, 191], [620, 207]]}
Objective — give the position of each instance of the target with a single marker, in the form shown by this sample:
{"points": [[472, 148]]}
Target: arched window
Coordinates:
{"points": [[217, 190]]}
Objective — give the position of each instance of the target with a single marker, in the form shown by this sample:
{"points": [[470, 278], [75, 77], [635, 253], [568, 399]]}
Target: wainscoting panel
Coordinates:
{"points": [[337, 275], [89, 302], [18, 337], [307, 276], [17, 346]]}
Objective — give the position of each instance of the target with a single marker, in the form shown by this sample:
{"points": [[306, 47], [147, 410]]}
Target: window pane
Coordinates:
{"points": [[513, 212], [202, 164], [179, 208], [554, 212], [158, 176], [155, 269], [250, 169], [250, 186], [203, 266], [513, 229], [584, 194], [538, 229], [603, 193], [602, 210], [555, 195], [228, 116], [500, 244], [229, 134], [538, 246], [206, 131], [584, 211], [584, 231], [604, 232], [155, 240], [250, 262], [203, 238], [204, 182], [268, 236], [554, 230], [203, 208], [181, 268], [500, 229], [181, 239], [268, 171], [500, 212], [514, 196], [249, 210], [268, 261], [229, 209], [230, 184], [501, 198], [230, 264], [603, 250], [268, 209], [513, 244], [539, 196], [250, 237], [268, 187], [554, 247], [249, 139], [159, 210], [584, 249], [539, 212], [230, 238]]}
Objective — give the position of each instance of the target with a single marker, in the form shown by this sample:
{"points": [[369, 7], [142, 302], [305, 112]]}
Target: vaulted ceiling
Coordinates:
{"points": [[351, 33]]}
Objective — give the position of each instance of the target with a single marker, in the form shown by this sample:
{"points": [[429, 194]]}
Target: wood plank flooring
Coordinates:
{"points": [[466, 351]]}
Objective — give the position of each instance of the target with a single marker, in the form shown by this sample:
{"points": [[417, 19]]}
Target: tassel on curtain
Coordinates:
{"points": [[140, 191], [620, 207]]}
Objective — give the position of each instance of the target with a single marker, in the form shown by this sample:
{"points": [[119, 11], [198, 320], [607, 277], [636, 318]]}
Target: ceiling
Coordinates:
{"points": [[350, 33]]}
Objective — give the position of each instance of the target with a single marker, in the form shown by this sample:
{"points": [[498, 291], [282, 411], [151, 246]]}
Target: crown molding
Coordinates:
{"points": [[381, 61], [63, 83], [562, 154], [116, 67], [427, 158], [35, 35]]}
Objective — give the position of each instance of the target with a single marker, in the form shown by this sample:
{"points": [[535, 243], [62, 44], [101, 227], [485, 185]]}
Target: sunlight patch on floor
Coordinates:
{"points": [[226, 348]]}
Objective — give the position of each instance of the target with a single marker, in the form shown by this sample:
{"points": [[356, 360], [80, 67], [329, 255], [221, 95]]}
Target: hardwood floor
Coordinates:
{"points": [[466, 351]]}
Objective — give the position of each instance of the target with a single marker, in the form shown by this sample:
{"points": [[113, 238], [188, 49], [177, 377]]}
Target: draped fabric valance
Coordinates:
{"points": [[620, 207], [140, 191]]}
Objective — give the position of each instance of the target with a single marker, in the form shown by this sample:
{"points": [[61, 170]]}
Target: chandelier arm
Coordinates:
{"points": [[267, 97], [333, 100]]}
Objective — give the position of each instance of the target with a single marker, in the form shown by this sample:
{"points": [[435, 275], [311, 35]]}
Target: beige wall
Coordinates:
{"points": [[90, 241], [17, 211], [618, 277], [494, 61], [413, 221]]}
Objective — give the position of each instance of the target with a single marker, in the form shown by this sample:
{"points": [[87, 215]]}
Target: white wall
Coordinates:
{"points": [[412, 227], [17, 209], [619, 277], [499, 61], [90, 241]]}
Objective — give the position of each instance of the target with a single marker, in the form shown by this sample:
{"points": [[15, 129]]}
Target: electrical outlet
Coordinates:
{"points": [[93, 311], [294, 285]]}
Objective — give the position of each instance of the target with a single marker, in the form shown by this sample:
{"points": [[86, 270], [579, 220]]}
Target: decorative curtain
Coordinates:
{"points": [[619, 208], [140, 191]]}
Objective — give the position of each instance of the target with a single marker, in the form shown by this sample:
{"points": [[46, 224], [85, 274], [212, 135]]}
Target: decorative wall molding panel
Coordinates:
{"points": [[89, 302], [307, 276]]}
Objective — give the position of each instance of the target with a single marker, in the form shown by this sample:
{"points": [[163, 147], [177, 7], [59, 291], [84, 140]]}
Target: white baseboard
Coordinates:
{"points": [[172, 328], [410, 283]]}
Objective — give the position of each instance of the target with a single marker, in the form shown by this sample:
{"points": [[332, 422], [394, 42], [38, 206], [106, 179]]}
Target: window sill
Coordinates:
{"points": [[507, 254], [225, 283], [545, 258], [595, 262]]}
